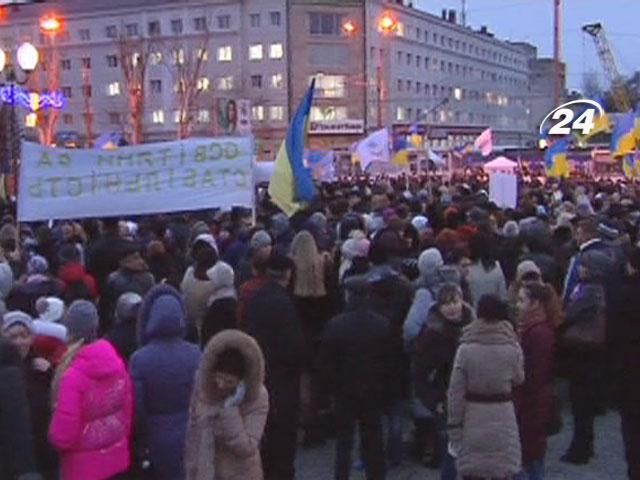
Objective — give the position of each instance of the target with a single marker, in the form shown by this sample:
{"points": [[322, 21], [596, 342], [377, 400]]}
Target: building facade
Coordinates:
{"points": [[199, 54]]}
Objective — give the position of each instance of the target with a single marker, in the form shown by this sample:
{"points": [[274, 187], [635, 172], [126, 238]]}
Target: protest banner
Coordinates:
{"points": [[194, 174]]}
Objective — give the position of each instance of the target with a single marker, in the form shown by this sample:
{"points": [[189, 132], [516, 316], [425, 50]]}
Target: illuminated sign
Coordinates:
{"points": [[31, 100]]}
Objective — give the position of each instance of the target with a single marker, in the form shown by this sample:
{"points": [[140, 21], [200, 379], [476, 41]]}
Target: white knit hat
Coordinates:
{"points": [[221, 275]]}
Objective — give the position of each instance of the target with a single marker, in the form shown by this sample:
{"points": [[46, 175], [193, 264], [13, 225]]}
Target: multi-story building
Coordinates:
{"points": [[421, 68]]}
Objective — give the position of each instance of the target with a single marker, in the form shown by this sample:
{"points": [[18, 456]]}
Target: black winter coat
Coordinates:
{"points": [[273, 321], [17, 456], [354, 358], [222, 314]]}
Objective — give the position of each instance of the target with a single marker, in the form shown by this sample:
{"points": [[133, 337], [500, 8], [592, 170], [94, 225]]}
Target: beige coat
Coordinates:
{"points": [[489, 361], [224, 443]]}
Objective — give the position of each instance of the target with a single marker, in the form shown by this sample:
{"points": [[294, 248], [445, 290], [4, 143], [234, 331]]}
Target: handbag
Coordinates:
{"points": [[587, 332]]}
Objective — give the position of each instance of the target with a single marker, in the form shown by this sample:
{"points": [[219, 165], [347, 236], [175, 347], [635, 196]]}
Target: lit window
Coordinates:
{"points": [[203, 84], [401, 114], [31, 120], [179, 116], [155, 58], [276, 112], [224, 83], [158, 117], [256, 52], [330, 86], [277, 81], [180, 86], [204, 116], [202, 54], [257, 112], [178, 56], [135, 59], [276, 51], [225, 54], [113, 89], [328, 113]]}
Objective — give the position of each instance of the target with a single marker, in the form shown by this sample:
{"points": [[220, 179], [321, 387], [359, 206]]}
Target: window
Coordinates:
{"points": [[276, 51], [113, 89], [66, 92], [418, 34], [131, 29], [418, 87], [401, 114], [179, 116], [399, 57], [277, 80], [158, 117], [225, 54], [200, 24], [256, 52], [85, 34], [224, 83], [409, 59], [203, 84], [67, 119], [409, 85], [276, 112], [114, 118], [155, 58], [112, 61], [65, 64], [256, 81], [178, 57], [325, 23], [176, 26], [155, 86], [180, 86], [224, 22], [87, 91], [204, 116], [330, 86], [153, 28], [327, 113], [275, 18], [202, 54], [86, 62], [111, 31], [400, 84], [257, 113], [87, 117], [254, 20], [418, 61]]}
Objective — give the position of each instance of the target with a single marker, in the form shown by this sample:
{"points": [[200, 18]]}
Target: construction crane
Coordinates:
{"points": [[619, 90]]}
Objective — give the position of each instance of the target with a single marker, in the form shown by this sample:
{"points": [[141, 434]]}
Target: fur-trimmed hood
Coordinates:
{"points": [[254, 364], [489, 333], [165, 322]]}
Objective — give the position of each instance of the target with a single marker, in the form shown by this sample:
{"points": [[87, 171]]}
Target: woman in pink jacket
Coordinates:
{"points": [[93, 402]]}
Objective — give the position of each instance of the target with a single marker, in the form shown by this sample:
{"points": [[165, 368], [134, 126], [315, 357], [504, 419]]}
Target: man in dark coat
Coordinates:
{"points": [[354, 364], [272, 320], [17, 458], [104, 255]]}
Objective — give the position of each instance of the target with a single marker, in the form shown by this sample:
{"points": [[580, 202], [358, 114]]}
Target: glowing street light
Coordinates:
{"points": [[27, 57], [387, 24], [50, 24]]}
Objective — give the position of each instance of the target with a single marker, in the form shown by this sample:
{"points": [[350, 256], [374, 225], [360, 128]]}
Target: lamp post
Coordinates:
{"points": [[27, 59], [387, 26]]}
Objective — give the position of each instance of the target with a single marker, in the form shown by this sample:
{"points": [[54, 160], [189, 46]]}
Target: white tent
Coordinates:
{"points": [[500, 165]]}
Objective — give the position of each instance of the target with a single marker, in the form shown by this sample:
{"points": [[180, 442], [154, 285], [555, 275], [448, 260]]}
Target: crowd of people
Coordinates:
{"points": [[213, 345]]}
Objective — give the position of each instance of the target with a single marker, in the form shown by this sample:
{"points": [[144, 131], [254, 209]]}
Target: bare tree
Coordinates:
{"points": [[47, 79], [134, 55], [185, 61], [88, 111]]}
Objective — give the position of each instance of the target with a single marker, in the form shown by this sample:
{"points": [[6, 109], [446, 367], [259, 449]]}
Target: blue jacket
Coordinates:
{"points": [[163, 372]]}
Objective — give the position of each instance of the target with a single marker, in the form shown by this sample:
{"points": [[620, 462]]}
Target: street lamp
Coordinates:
{"points": [[50, 24], [27, 57], [387, 24], [349, 28]]}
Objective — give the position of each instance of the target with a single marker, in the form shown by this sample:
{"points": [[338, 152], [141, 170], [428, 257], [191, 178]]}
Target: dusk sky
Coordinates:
{"points": [[532, 21]]}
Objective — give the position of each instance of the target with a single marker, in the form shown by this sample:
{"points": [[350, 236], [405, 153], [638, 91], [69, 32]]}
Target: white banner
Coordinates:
{"points": [[503, 190], [194, 174], [336, 127]]}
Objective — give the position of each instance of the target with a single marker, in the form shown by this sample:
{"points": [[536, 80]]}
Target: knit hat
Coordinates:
{"points": [[127, 307], [420, 223], [11, 319], [82, 320], [37, 265], [429, 261], [50, 309], [221, 275], [260, 239], [526, 267], [208, 239], [511, 229], [356, 247], [68, 253]]}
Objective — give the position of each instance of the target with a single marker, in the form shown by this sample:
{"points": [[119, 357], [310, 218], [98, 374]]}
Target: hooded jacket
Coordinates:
{"points": [[163, 370], [92, 418], [223, 442], [74, 273]]}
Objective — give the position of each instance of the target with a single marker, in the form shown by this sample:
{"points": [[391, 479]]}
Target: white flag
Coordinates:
{"points": [[374, 148]]}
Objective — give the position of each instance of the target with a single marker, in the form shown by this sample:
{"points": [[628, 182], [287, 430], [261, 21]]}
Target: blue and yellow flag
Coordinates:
{"points": [[555, 159], [630, 166], [637, 124], [401, 159], [623, 138], [292, 184], [602, 124]]}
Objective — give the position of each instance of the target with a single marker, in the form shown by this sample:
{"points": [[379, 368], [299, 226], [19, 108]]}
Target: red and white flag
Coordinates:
{"points": [[484, 143]]}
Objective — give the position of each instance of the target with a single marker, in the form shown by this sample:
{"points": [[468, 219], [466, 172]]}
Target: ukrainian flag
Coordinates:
{"points": [[292, 185], [555, 159], [637, 128], [623, 138], [630, 166], [401, 159], [602, 124]]}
